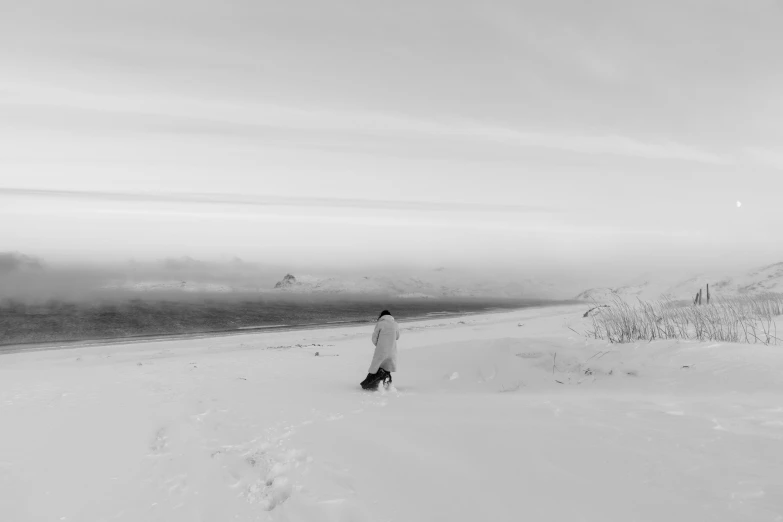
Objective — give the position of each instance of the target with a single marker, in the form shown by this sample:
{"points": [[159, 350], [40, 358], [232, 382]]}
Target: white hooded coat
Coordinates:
{"points": [[385, 336]]}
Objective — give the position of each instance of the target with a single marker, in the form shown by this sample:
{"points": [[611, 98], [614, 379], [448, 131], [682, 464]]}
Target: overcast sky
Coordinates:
{"points": [[549, 133]]}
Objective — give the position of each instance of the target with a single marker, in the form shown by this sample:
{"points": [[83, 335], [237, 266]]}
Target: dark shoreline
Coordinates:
{"points": [[23, 347]]}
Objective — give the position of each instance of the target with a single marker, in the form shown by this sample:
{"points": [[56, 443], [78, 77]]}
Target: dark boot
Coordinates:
{"points": [[372, 380], [387, 378]]}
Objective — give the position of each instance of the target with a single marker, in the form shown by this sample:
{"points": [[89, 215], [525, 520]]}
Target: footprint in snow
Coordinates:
{"points": [[275, 485], [160, 442], [264, 469]]}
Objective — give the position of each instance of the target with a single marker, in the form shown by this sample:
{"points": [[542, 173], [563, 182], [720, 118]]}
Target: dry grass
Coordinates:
{"points": [[742, 319]]}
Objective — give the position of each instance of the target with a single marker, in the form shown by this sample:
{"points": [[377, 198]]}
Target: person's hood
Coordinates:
{"points": [[386, 317]]}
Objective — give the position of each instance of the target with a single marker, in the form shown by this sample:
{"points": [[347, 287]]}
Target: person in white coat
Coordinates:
{"points": [[384, 360]]}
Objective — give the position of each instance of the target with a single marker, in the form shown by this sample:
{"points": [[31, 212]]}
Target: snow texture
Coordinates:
{"points": [[487, 421], [765, 279]]}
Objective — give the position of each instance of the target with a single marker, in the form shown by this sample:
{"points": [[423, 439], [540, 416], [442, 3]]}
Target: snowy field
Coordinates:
{"points": [[503, 417]]}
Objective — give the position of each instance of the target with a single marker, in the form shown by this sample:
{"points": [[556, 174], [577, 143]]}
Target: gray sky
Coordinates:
{"points": [[550, 133]]}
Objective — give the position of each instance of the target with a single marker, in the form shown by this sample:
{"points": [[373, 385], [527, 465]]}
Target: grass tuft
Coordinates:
{"points": [[741, 319]]}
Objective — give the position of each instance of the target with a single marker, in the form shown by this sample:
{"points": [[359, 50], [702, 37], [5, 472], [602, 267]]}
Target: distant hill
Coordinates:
{"points": [[439, 283], [159, 286], [434, 284], [765, 279], [411, 287]]}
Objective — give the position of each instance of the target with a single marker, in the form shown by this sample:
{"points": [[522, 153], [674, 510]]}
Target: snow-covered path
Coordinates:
{"points": [[478, 428]]}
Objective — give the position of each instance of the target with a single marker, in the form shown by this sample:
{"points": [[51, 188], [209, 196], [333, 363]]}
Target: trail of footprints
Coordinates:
{"points": [[267, 471], [279, 468]]}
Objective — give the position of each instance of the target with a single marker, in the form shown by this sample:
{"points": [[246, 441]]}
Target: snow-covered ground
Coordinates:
{"points": [[653, 287], [509, 416]]}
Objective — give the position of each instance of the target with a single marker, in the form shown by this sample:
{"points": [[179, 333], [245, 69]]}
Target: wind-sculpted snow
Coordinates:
{"points": [[492, 417], [761, 280]]}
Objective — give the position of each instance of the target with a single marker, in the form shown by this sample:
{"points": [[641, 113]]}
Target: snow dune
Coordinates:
{"points": [[508, 416]]}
